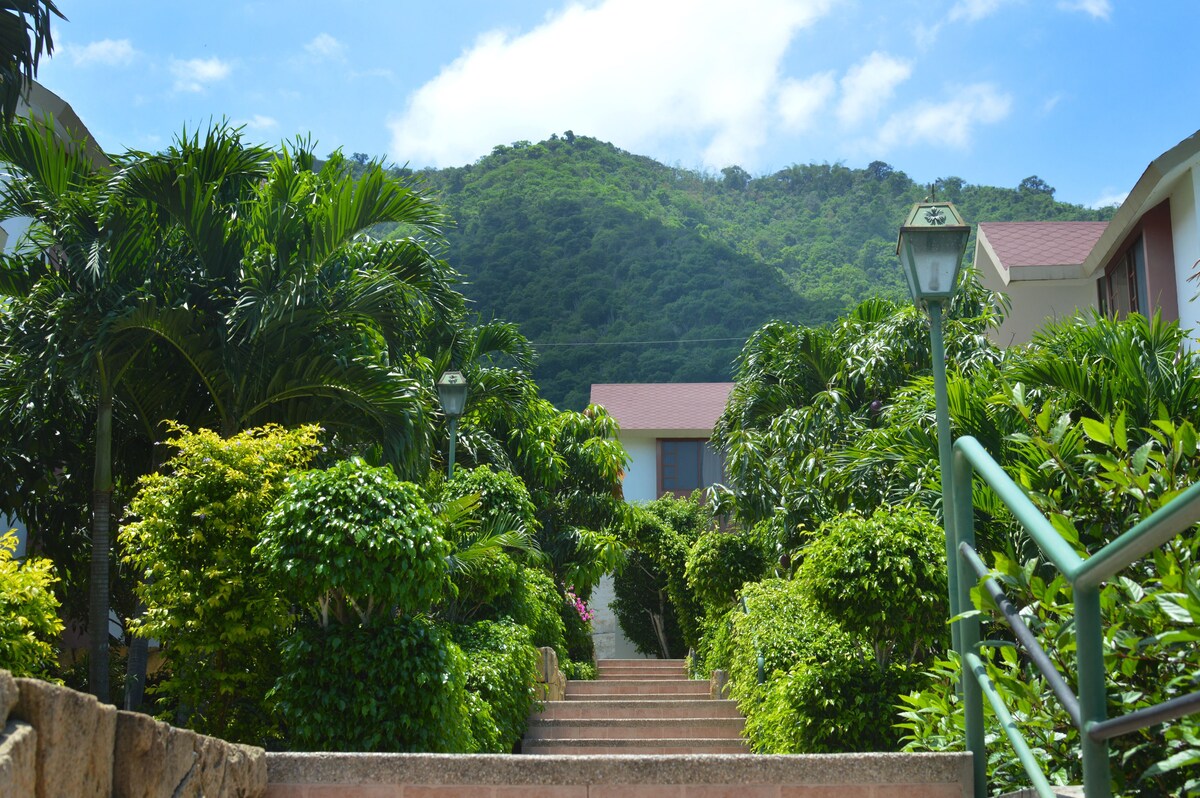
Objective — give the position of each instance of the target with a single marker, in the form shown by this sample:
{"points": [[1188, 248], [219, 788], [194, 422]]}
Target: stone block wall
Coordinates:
{"points": [[57, 742]]}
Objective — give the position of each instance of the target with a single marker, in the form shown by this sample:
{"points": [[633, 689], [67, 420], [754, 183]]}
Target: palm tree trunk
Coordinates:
{"points": [[102, 487]]}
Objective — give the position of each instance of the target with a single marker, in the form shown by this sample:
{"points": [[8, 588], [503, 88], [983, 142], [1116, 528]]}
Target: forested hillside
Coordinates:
{"points": [[621, 269]]}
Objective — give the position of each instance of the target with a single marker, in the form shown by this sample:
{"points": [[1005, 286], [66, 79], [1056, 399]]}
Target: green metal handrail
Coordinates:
{"points": [[1088, 711]]}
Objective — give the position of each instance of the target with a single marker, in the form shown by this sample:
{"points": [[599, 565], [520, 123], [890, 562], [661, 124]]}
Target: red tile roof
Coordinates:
{"points": [[663, 405], [1018, 244]]}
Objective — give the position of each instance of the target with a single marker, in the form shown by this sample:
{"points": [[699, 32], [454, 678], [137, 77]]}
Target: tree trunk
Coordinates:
{"points": [[98, 599]]}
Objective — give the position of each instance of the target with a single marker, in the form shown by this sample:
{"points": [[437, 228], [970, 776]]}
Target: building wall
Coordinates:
{"points": [[1185, 230], [1035, 302], [641, 478]]}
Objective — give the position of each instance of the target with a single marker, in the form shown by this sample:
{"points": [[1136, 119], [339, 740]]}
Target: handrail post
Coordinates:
{"points": [[969, 628], [1089, 648], [942, 408]]}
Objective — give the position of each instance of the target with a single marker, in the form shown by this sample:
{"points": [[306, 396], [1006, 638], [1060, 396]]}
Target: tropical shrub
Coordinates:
{"points": [[216, 609], [491, 536], [822, 689], [1151, 611], [364, 554], [577, 624], [352, 541], [29, 622], [719, 563], [535, 603], [501, 670], [882, 577], [395, 684]]}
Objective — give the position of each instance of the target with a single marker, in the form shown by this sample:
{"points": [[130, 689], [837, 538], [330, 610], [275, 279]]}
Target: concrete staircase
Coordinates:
{"points": [[637, 707]]}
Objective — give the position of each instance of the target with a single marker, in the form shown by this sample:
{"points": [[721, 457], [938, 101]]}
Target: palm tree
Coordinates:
{"points": [[24, 37], [300, 314], [84, 267]]}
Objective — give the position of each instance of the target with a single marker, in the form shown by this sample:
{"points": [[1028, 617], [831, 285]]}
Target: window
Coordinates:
{"points": [[1123, 286], [685, 464]]}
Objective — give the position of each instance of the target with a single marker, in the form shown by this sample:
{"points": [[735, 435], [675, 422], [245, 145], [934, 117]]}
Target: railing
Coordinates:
{"points": [[1088, 710]]}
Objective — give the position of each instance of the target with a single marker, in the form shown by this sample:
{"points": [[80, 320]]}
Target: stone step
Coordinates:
{"points": [[646, 663], [639, 708], [633, 672], [617, 746], [635, 728], [624, 775], [663, 666], [609, 688]]}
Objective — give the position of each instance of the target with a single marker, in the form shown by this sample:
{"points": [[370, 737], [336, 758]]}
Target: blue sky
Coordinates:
{"points": [[1082, 93]]}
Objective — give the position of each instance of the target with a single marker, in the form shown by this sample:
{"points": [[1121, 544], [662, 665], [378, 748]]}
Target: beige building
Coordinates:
{"points": [[1141, 261]]}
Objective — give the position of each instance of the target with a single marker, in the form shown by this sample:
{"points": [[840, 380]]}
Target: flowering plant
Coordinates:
{"points": [[585, 612]]}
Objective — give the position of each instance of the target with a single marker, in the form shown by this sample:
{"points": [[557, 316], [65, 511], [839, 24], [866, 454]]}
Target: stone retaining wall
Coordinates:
{"points": [[57, 742]]}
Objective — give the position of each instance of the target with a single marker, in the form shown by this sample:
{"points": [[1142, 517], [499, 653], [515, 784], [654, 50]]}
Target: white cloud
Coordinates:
{"points": [[1051, 102], [975, 10], [1098, 9], [949, 123], [868, 86], [197, 73], [261, 122], [1110, 198], [801, 100], [325, 46], [106, 52], [634, 72], [962, 11]]}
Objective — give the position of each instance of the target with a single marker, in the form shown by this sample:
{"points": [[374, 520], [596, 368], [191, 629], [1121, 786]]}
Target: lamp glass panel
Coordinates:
{"points": [[932, 260]]}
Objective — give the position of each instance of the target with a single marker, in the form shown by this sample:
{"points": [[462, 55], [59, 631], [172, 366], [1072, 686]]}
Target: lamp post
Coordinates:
{"points": [[452, 393], [931, 245]]}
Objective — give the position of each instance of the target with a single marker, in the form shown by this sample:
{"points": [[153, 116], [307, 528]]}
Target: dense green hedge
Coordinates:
{"points": [[501, 670], [394, 685]]}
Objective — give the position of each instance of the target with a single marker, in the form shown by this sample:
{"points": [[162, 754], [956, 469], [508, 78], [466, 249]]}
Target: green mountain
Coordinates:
{"points": [[622, 269]]}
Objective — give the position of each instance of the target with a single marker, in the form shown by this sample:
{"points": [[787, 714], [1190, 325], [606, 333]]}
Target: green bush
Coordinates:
{"points": [[397, 684], [535, 604], [836, 701], [29, 622], [502, 668], [501, 493], [353, 540], [486, 567], [823, 689], [215, 608], [719, 563], [883, 577]]}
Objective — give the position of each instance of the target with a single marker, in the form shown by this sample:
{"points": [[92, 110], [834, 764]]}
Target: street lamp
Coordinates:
{"points": [[452, 393], [931, 246]]}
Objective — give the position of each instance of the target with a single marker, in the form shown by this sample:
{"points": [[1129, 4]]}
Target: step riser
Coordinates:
{"points": [[640, 674], [637, 687], [600, 749], [711, 729], [613, 710]]}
